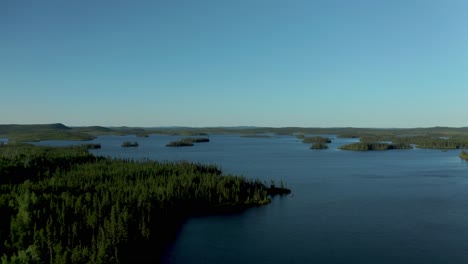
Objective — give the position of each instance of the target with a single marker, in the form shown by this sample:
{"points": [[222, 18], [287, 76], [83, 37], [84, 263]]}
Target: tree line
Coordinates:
{"points": [[363, 146], [422, 141]]}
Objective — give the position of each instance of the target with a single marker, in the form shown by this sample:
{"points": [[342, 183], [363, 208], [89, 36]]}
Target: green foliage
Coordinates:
{"points": [[422, 137], [362, 146], [314, 140], [317, 142], [464, 155], [405, 141], [63, 205], [440, 143], [187, 142], [23, 133], [319, 146], [421, 141]]}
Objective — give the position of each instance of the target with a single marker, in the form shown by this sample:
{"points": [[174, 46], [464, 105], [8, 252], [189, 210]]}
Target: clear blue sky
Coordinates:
{"points": [[361, 63]]}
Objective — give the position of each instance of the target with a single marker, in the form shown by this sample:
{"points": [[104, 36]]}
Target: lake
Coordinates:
{"points": [[396, 206]]}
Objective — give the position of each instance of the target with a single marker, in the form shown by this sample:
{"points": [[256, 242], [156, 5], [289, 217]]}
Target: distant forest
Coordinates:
{"points": [[25, 133], [64, 205], [370, 138]]}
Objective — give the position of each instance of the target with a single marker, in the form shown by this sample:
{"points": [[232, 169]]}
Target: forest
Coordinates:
{"points": [[378, 142], [421, 141], [363, 146], [28, 133], [64, 205]]}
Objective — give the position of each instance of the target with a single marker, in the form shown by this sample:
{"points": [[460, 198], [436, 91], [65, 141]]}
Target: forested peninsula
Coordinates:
{"points": [[64, 205]]}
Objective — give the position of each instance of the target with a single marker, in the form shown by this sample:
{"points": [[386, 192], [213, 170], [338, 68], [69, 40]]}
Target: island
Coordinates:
{"points": [[129, 144], [363, 146], [318, 142], [319, 146], [64, 205], [187, 142], [431, 137]]}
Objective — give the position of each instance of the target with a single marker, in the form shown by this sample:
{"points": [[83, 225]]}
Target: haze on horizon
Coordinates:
{"points": [[326, 63]]}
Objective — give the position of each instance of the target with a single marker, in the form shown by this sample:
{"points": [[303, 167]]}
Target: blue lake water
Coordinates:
{"points": [[397, 206]]}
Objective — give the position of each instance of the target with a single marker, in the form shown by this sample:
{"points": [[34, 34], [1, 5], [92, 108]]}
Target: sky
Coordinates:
{"points": [[330, 63]]}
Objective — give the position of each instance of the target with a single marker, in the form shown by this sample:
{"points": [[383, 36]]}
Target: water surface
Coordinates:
{"points": [[397, 206]]}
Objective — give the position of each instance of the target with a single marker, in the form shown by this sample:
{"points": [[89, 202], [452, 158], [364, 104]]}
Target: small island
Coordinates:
{"points": [[187, 142], [129, 144], [363, 146], [317, 141]]}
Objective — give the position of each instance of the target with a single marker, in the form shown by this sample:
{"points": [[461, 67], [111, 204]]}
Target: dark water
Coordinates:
{"points": [[398, 206]]}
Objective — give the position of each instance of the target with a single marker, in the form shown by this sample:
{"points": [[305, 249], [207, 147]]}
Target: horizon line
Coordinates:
{"points": [[221, 126]]}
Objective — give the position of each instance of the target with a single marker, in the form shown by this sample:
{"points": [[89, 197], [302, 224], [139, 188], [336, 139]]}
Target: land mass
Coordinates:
{"points": [[64, 205], [187, 142], [433, 137], [317, 141], [362, 146]]}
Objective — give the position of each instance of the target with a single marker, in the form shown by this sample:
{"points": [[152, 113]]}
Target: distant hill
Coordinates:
{"points": [[27, 128], [59, 131], [24, 133], [94, 130]]}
